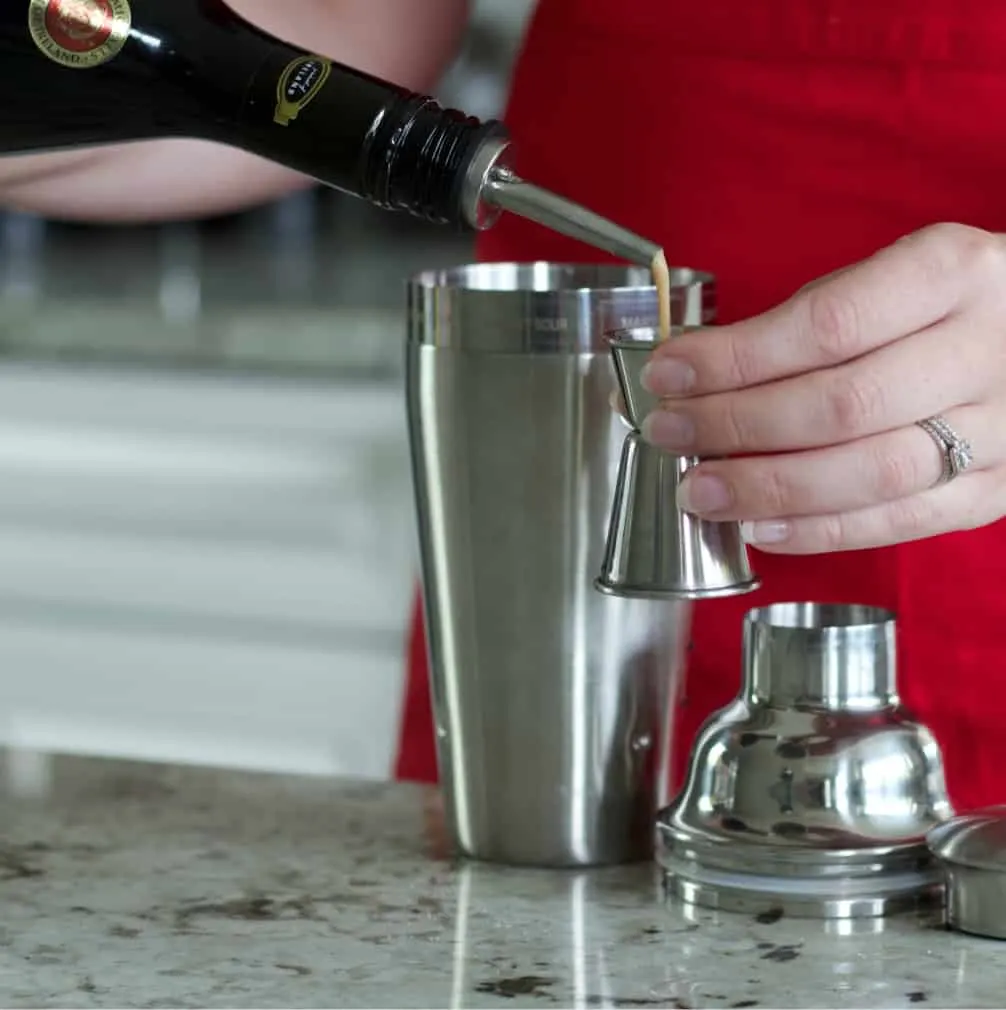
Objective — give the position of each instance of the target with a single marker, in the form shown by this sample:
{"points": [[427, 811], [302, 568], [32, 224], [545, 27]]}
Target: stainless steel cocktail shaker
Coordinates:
{"points": [[552, 701]]}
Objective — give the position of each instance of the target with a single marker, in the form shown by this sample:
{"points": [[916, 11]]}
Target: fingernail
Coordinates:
{"points": [[702, 493], [667, 377], [668, 431], [772, 531]]}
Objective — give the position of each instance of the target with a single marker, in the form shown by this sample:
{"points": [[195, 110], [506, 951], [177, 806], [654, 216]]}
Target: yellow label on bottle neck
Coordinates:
{"points": [[299, 86], [80, 33]]}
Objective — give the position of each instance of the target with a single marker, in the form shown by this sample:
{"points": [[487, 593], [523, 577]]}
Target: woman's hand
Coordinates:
{"points": [[820, 398]]}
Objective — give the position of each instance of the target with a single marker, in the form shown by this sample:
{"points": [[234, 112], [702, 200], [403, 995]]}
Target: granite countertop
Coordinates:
{"points": [[131, 886]]}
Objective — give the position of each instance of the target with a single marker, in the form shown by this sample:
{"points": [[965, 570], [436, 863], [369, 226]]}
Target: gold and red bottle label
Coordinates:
{"points": [[80, 33], [299, 85]]}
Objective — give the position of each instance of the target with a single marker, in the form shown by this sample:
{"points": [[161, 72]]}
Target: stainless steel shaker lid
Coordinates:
{"points": [[813, 793], [976, 840], [972, 851]]}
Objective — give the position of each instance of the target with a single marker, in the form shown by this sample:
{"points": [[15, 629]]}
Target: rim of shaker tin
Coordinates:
{"points": [[548, 277], [543, 306]]}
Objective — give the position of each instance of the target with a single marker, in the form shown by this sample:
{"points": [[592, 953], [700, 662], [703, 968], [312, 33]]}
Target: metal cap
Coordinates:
{"points": [[825, 655], [972, 850], [654, 549], [976, 840]]}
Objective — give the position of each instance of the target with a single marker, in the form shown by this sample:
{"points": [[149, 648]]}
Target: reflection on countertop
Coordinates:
{"points": [[127, 885]]}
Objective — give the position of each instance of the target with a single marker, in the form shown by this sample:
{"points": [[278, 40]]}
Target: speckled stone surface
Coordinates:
{"points": [[130, 886]]}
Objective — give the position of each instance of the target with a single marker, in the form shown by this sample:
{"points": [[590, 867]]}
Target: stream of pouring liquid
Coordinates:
{"points": [[662, 282]]}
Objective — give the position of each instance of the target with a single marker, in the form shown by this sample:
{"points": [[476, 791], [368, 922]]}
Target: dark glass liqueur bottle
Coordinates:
{"points": [[82, 73], [79, 73]]}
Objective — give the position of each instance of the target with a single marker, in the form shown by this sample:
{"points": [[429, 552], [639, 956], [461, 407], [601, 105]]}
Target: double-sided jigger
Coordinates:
{"points": [[654, 549]]}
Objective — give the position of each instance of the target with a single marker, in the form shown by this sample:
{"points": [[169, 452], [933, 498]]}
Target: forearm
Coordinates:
{"points": [[403, 41]]}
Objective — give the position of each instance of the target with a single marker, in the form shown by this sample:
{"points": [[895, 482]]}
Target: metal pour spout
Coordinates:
{"points": [[507, 191]]}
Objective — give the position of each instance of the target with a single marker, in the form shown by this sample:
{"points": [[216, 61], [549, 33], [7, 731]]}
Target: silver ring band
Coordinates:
{"points": [[956, 451]]}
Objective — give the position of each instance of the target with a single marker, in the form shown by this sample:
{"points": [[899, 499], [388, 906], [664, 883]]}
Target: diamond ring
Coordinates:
{"points": [[956, 451]]}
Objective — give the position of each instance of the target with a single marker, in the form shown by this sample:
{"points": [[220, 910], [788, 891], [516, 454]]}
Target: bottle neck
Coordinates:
{"points": [[395, 148], [834, 657]]}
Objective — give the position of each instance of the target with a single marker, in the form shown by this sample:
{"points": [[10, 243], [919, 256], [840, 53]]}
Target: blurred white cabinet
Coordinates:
{"points": [[204, 568]]}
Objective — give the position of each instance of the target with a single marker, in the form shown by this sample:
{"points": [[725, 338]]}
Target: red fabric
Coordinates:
{"points": [[417, 756], [770, 143]]}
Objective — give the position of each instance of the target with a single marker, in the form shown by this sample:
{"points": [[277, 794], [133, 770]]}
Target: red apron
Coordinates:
{"points": [[771, 142]]}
